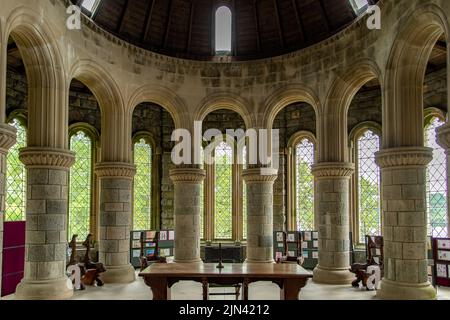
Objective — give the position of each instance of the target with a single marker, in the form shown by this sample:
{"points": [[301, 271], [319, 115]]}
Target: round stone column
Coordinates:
{"points": [[332, 182], [444, 141], [116, 180], [259, 183], [187, 197], [405, 223], [7, 140], [46, 227]]}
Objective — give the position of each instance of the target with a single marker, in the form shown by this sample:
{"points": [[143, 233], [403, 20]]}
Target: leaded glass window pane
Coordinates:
{"points": [[16, 177], [368, 185], [142, 186], [304, 182], [436, 184], [244, 198], [223, 209], [80, 186]]}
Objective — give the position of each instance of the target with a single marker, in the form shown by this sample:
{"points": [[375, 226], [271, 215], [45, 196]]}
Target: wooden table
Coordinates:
{"points": [[289, 277]]}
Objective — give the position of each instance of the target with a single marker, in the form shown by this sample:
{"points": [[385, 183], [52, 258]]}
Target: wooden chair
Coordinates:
{"points": [[231, 257], [375, 255]]}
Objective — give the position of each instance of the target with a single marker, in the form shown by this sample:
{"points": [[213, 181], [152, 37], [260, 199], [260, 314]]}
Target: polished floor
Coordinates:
{"points": [[257, 291]]}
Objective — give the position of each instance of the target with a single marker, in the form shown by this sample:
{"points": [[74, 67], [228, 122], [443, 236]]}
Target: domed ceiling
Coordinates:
{"points": [[261, 28]]}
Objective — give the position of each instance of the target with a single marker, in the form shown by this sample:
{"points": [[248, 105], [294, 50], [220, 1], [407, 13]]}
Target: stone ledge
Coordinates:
{"points": [[8, 137], [115, 170], [260, 175], [401, 157], [187, 175], [333, 170], [38, 157]]}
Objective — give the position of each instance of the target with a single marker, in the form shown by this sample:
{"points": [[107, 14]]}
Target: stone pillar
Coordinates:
{"points": [[332, 181], [116, 180], [46, 228], [405, 223], [187, 197], [7, 140], [259, 214], [444, 141]]}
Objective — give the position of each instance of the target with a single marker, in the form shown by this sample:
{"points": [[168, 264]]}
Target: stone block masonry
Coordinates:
{"points": [[116, 181], [46, 228], [333, 215], [405, 223]]}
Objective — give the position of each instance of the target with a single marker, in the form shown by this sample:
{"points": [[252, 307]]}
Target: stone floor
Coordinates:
{"points": [[257, 291]]}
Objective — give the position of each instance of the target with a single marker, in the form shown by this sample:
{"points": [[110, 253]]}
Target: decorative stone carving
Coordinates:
{"points": [[38, 157], [330, 170], [401, 157], [8, 137], [115, 170], [187, 175], [260, 175]]}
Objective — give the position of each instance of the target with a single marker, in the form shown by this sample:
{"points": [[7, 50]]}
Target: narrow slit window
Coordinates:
{"points": [[90, 5], [223, 30]]}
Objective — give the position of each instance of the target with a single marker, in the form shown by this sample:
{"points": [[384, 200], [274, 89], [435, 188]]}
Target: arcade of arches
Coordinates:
{"points": [[86, 137]]}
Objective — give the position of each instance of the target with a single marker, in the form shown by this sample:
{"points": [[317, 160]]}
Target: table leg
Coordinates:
{"points": [[205, 285], [245, 284], [159, 288], [291, 288]]}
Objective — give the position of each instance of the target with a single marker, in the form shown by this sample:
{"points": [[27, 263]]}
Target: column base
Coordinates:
{"points": [[59, 289], [198, 260], [333, 276], [391, 290], [119, 274]]}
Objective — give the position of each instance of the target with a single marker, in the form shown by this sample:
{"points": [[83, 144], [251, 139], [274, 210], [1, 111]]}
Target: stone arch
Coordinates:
{"points": [[406, 67], [226, 101], [101, 83], [333, 143], [163, 97], [287, 95], [45, 72]]}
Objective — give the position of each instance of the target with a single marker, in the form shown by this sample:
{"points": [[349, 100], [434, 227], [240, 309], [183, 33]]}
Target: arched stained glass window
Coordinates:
{"points": [[223, 209], [16, 183], [142, 186], [80, 186], [223, 30], [368, 185], [436, 183], [304, 184]]}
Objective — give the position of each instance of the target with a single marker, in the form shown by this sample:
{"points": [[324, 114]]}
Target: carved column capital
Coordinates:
{"points": [[187, 175], [406, 156], [8, 137], [115, 170], [260, 175], [42, 157], [443, 135], [333, 170]]}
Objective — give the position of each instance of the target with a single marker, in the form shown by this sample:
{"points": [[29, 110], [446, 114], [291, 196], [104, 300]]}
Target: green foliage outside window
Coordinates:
{"points": [[223, 192], [16, 177], [304, 185], [80, 186], [142, 186], [368, 185]]}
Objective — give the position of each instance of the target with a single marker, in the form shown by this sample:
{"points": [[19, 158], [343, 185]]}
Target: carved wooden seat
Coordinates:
{"points": [[375, 254]]}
